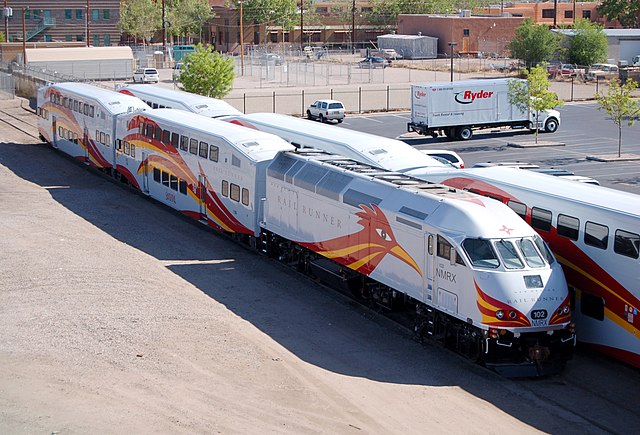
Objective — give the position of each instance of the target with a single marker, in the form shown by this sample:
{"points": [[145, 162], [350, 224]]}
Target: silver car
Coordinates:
{"points": [[146, 75]]}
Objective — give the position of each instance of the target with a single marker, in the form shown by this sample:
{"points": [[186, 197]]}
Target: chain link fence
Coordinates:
{"points": [[7, 86]]}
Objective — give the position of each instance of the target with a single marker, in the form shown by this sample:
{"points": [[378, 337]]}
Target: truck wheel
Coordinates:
{"points": [[551, 125], [321, 118], [464, 133], [309, 116]]}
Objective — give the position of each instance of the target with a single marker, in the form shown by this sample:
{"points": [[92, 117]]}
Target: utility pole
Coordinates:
{"points": [[241, 40], [6, 20], [164, 30], [24, 37], [301, 25], [353, 27]]}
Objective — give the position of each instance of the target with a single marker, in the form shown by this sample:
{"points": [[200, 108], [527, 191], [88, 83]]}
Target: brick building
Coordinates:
{"points": [[471, 34], [64, 21], [550, 13]]}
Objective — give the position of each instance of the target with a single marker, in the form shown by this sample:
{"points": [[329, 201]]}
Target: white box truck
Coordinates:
{"points": [[455, 109]]}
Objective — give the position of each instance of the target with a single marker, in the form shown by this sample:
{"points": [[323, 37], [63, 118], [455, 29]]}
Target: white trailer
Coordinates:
{"points": [[455, 109]]}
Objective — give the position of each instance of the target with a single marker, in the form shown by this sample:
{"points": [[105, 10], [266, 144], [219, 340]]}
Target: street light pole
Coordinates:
{"points": [[301, 25], [6, 21], [24, 37], [353, 27], [452, 44], [87, 23], [241, 40]]}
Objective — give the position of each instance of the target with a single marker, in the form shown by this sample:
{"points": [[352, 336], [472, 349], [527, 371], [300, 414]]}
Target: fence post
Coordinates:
{"points": [[597, 83], [244, 103], [360, 98], [302, 112], [387, 98], [572, 88], [274, 101]]}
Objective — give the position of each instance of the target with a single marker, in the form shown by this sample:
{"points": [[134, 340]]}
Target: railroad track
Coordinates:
{"points": [[20, 118]]}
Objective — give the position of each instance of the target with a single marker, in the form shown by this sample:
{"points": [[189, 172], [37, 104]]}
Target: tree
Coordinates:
{"points": [[207, 72], [533, 43], [625, 11], [533, 94], [264, 12], [187, 17], [620, 105], [140, 18], [588, 45], [2, 37], [387, 11]]}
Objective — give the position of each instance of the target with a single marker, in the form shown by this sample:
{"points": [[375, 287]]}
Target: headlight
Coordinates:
{"points": [[499, 314], [512, 315], [533, 281]]}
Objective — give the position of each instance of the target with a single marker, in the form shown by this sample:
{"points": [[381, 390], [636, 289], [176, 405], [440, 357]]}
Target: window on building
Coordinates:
{"points": [[95, 14], [96, 40], [586, 15], [68, 37], [79, 37], [47, 38], [107, 40], [67, 14], [79, 15], [465, 32], [27, 14], [568, 14], [105, 14], [548, 13]]}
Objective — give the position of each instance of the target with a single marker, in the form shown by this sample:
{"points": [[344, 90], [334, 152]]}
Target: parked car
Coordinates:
{"points": [[603, 70], [177, 69], [450, 156], [388, 53], [565, 70], [271, 58], [326, 110], [146, 75], [373, 62]]}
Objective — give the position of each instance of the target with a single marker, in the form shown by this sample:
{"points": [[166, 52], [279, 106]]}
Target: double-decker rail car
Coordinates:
{"points": [[210, 170], [79, 119], [594, 232], [158, 98], [375, 150], [479, 277]]}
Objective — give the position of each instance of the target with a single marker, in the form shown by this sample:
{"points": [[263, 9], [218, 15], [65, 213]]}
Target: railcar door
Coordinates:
{"points": [[429, 269], [54, 131], [145, 172], [202, 196], [86, 146]]}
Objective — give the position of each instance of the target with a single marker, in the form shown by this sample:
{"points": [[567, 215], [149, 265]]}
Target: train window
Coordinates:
{"points": [[165, 178], [509, 255], [544, 249], [541, 219], [592, 306], [203, 150], [76, 104], [245, 196], [225, 188], [148, 130], [415, 213], [596, 235], [213, 153], [234, 193], [75, 138], [182, 187], [166, 136], [52, 98], [156, 174], [173, 182], [118, 144], [184, 143], [459, 259], [175, 140], [430, 244], [107, 140], [531, 255], [154, 106], [568, 226], [355, 198], [38, 112], [157, 134], [518, 207], [444, 248], [481, 253], [98, 135], [133, 150], [308, 177], [64, 102], [333, 185], [91, 111], [102, 137], [60, 132], [126, 147], [193, 146], [626, 243], [235, 161]]}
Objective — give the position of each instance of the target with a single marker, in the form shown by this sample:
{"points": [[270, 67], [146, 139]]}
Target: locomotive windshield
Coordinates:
{"points": [[512, 254]]}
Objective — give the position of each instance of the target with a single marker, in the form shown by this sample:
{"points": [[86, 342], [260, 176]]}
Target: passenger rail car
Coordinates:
{"points": [[374, 150], [474, 275], [594, 232], [79, 119], [481, 280], [157, 97]]}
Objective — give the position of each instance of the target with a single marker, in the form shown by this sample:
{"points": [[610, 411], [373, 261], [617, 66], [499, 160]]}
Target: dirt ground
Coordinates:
{"points": [[119, 316]]}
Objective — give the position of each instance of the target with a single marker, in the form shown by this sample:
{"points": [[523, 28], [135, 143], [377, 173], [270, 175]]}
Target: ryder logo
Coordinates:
{"points": [[468, 97], [419, 94]]}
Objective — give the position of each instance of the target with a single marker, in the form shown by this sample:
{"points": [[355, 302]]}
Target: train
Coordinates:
{"points": [[593, 230], [471, 274]]}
